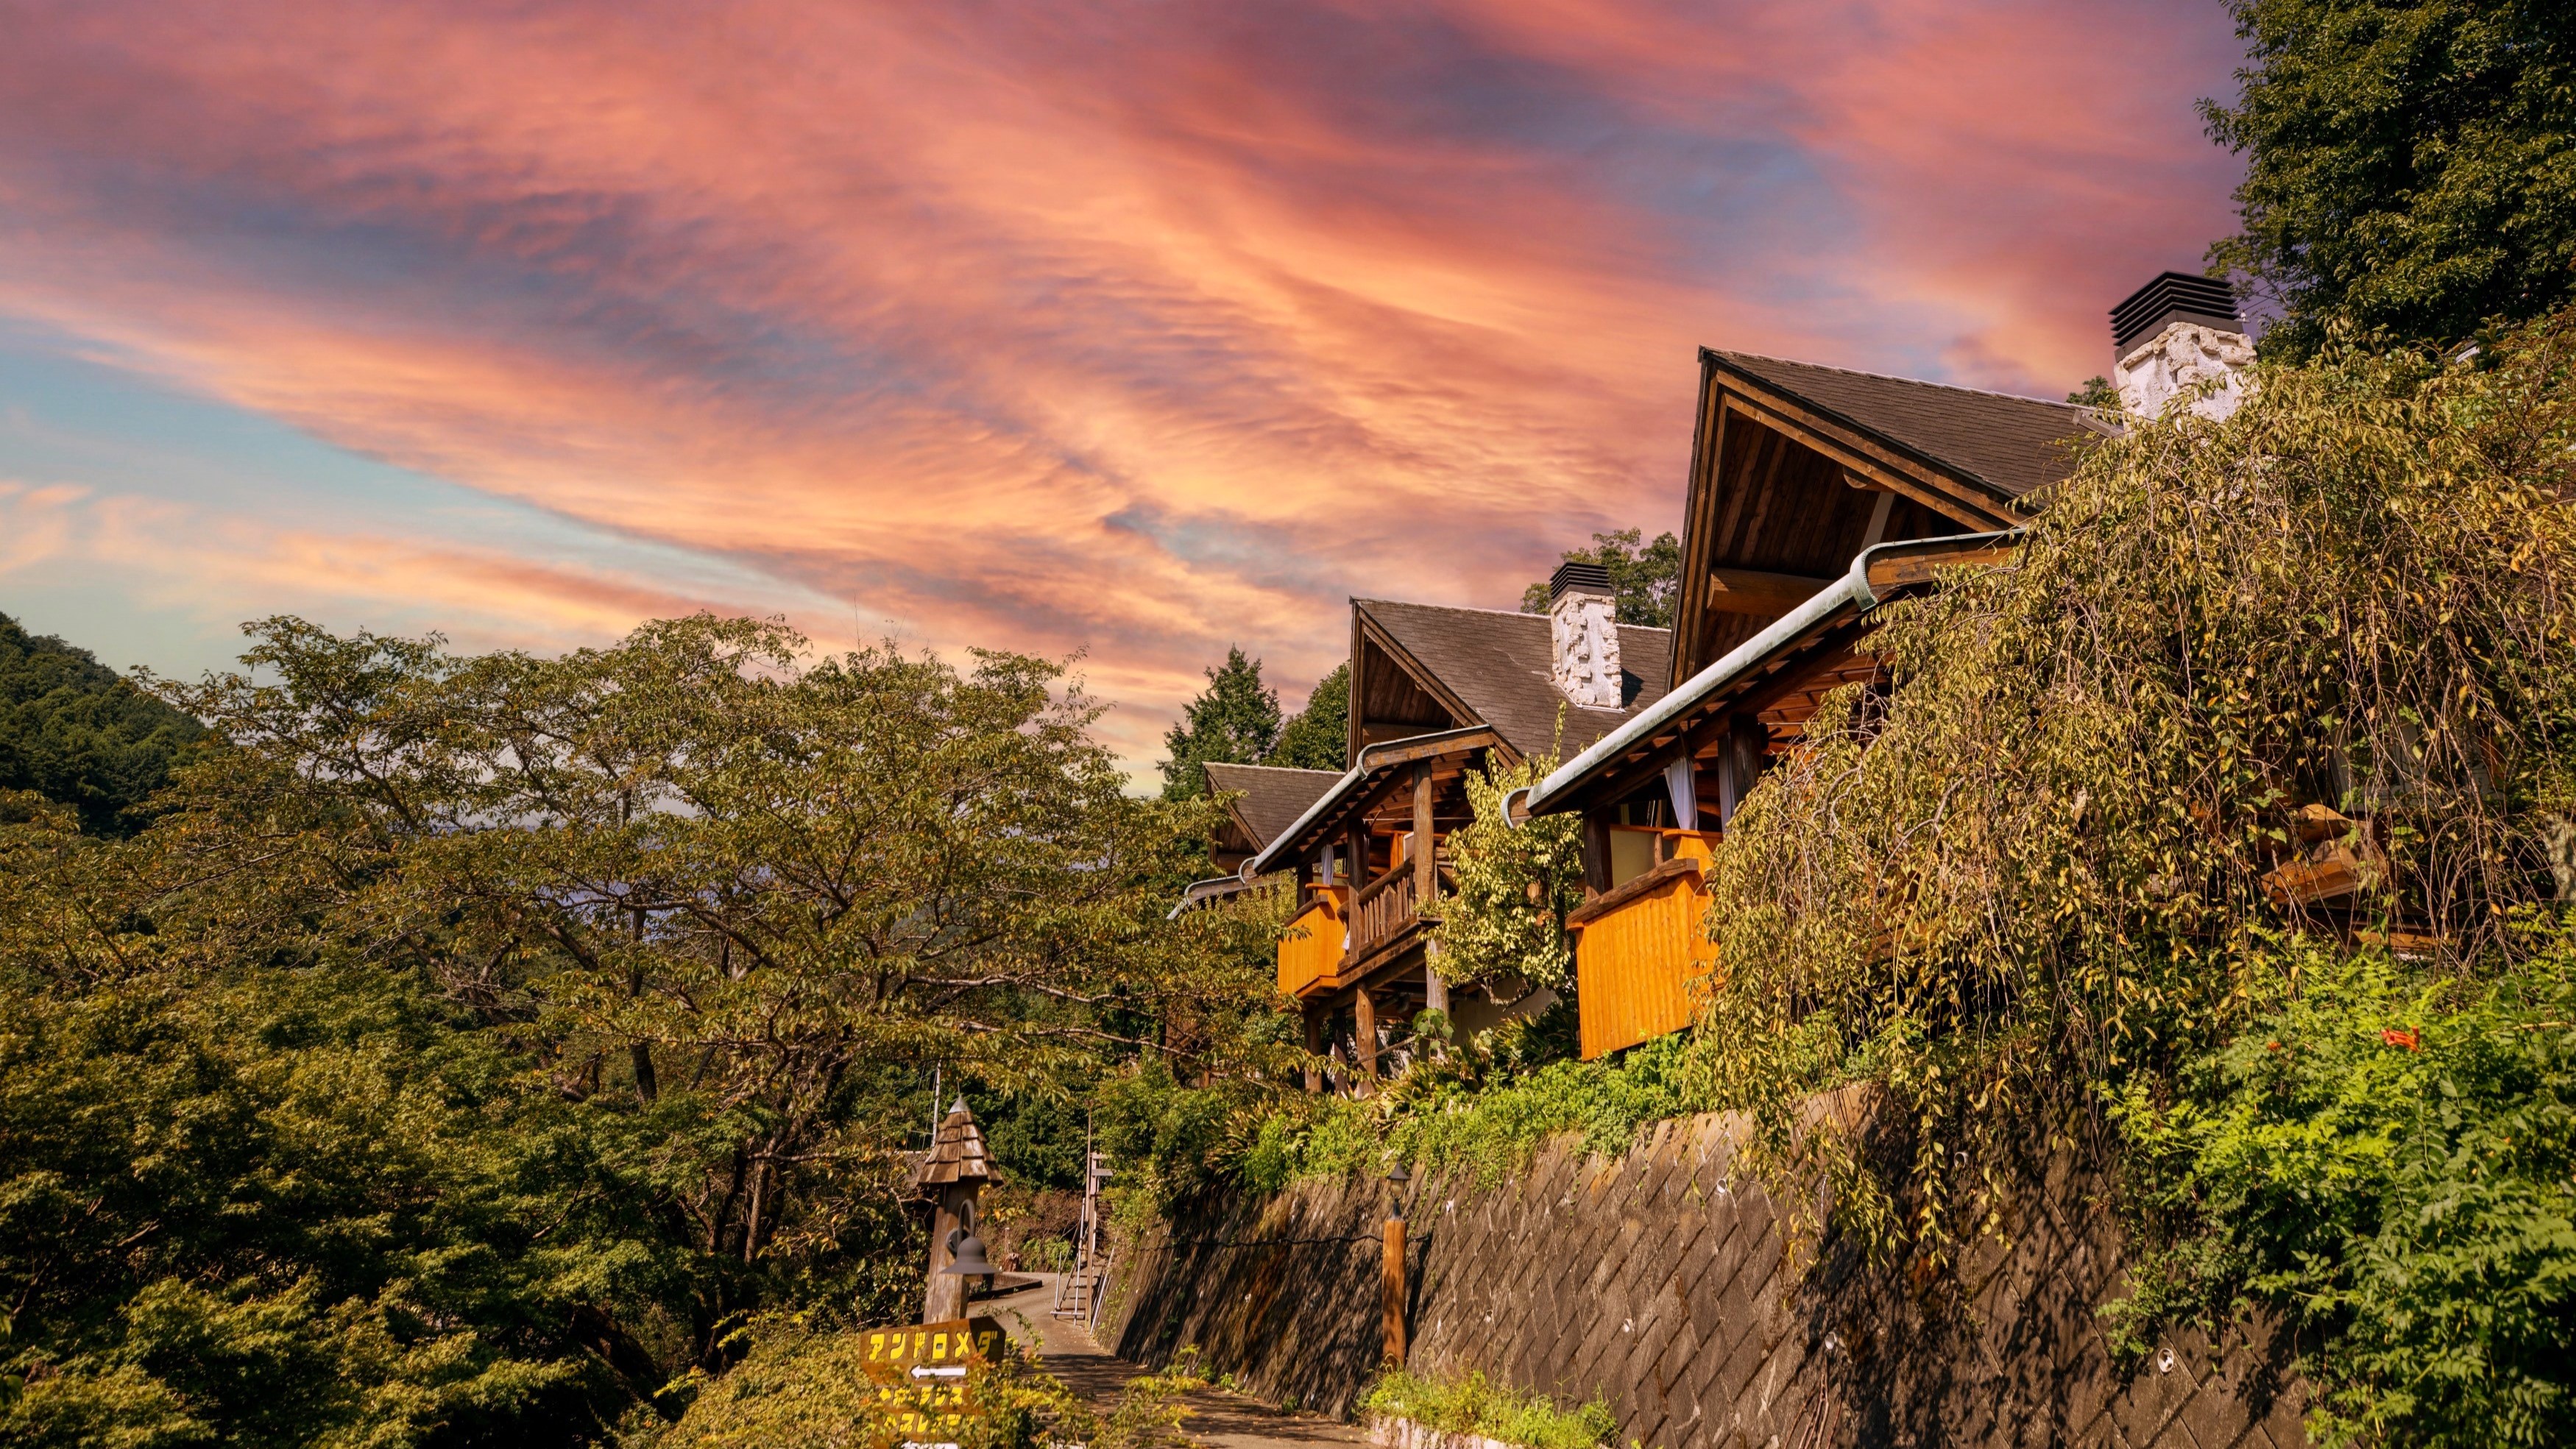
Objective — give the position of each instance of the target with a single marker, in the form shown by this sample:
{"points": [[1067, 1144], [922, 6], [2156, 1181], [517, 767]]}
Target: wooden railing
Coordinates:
{"points": [[1310, 949], [1642, 961], [1386, 906], [1383, 907]]}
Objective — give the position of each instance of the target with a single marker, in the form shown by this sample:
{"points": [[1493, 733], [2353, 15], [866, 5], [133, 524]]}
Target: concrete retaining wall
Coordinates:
{"points": [[1657, 1281]]}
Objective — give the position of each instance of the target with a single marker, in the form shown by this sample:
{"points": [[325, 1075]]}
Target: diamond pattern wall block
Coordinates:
{"points": [[1661, 1282]]}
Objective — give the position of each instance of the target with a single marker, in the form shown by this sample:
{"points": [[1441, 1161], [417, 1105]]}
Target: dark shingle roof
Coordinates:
{"points": [[1272, 798], [956, 1155], [2014, 444], [1497, 664]]}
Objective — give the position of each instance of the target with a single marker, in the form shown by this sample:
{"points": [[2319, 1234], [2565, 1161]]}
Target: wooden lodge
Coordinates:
{"points": [[1435, 692], [1816, 495]]}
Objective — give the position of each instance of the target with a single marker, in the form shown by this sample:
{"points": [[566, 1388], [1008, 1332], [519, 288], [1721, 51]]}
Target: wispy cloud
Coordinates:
{"points": [[1130, 327]]}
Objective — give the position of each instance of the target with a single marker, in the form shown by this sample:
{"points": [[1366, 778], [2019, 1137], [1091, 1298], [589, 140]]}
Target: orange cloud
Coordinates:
{"points": [[1135, 328]]}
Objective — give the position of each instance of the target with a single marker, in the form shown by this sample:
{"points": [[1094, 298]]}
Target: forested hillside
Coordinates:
{"points": [[75, 732]]}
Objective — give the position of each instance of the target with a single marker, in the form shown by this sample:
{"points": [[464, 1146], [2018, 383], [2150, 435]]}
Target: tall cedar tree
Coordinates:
{"points": [[75, 733], [1318, 737], [1646, 577], [1234, 721], [2410, 166]]}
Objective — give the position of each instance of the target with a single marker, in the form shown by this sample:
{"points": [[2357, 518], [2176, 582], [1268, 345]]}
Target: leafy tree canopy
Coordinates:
{"points": [[1318, 736], [74, 732], [2411, 166], [1646, 577], [2097, 392], [1235, 721], [474, 1043]]}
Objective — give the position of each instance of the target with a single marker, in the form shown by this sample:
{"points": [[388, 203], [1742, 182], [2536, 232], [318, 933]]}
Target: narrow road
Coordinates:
{"points": [[1217, 1419]]}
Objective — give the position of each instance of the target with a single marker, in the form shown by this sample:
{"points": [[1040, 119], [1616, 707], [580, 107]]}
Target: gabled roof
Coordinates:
{"points": [[1270, 798], [2011, 444], [1497, 665]]}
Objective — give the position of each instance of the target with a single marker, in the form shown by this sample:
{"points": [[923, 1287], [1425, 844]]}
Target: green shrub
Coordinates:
{"points": [[2390, 1153], [1477, 1405], [1484, 1109]]}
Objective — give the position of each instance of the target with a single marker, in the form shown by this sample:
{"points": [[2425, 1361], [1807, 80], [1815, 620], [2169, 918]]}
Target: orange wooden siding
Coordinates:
{"points": [[1310, 949], [1638, 967]]}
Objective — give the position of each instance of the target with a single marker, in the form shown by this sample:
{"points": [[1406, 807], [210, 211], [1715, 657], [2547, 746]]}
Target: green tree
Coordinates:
{"points": [[2096, 392], [2391, 1154], [1235, 721], [1646, 577], [1318, 736], [1516, 885], [2410, 166], [74, 732], [476, 1042]]}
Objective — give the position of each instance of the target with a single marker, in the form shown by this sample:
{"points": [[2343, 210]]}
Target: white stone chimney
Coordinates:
{"points": [[2173, 334], [1583, 624]]}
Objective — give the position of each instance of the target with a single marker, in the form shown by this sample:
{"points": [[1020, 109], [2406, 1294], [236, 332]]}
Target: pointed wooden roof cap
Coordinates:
{"points": [[957, 1155]]}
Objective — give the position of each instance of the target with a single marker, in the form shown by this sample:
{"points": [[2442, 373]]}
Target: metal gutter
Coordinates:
{"points": [[1359, 771], [1192, 893], [1851, 591]]}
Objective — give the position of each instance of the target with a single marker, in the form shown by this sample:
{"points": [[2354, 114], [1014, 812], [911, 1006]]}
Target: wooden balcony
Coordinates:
{"points": [[1340, 934], [1641, 959], [1310, 949]]}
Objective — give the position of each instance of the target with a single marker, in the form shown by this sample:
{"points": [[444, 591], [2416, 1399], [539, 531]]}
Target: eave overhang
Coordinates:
{"points": [[1877, 575], [1357, 784]]}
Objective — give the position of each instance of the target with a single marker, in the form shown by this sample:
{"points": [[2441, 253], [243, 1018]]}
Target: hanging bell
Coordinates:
{"points": [[966, 1256]]}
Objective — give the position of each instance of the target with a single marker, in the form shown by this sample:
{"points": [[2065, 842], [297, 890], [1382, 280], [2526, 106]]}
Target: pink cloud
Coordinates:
{"points": [[1141, 328]]}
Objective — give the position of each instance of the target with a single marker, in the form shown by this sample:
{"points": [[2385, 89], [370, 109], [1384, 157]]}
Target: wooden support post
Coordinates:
{"points": [[1314, 1047], [1426, 876], [1364, 1011], [1426, 885], [1596, 855], [1739, 763], [944, 1297], [1392, 1291]]}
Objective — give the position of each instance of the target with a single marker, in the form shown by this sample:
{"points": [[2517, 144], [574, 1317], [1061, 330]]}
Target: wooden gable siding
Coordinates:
{"points": [[1391, 698], [1779, 507], [1764, 497]]}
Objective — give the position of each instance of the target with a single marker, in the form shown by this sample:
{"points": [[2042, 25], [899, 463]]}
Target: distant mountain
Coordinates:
{"points": [[76, 732]]}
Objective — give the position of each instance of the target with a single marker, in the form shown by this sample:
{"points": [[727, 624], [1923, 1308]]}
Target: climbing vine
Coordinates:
{"points": [[1506, 918], [2300, 676]]}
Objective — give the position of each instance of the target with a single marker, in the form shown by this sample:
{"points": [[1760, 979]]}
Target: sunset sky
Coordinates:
{"points": [[1131, 328]]}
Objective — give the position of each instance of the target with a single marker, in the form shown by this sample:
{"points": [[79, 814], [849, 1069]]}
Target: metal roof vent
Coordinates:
{"points": [[1578, 574], [2179, 337], [2172, 296]]}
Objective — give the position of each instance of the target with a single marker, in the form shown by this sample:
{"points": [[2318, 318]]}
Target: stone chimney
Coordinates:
{"points": [[2173, 334], [1583, 624]]}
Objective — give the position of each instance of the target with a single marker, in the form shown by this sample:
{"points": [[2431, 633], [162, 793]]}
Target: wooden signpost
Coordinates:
{"points": [[926, 1376]]}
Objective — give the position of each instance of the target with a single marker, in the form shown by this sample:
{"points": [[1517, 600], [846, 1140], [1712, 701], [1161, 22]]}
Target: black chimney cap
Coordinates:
{"points": [[2173, 295], [1590, 578]]}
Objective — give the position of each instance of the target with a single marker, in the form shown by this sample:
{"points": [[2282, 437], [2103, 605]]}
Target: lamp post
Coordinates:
{"points": [[1392, 1275]]}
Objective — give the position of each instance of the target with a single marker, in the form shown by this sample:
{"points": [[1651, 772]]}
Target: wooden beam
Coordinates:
{"points": [[1970, 501], [1426, 879], [1752, 591], [1918, 568]]}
